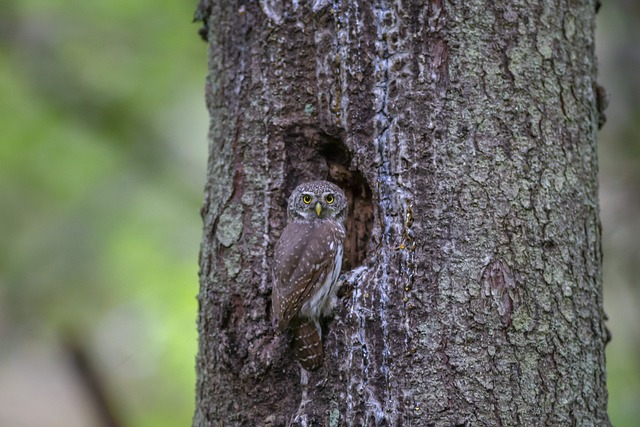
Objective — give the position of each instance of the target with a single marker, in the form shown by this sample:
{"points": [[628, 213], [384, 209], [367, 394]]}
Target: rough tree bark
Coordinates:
{"points": [[464, 134]]}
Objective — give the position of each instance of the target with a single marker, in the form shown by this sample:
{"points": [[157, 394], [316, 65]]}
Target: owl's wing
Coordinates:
{"points": [[309, 281], [303, 257]]}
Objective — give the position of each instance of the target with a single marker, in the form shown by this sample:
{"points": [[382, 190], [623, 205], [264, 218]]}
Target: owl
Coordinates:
{"points": [[306, 266]]}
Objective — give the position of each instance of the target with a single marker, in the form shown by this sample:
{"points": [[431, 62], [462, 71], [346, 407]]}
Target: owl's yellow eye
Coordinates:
{"points": [[306, 199], [329, 198]]}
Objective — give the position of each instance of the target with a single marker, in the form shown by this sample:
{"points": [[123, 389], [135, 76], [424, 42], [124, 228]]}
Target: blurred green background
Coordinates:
{"points": [[102, 164], [103, 156]]}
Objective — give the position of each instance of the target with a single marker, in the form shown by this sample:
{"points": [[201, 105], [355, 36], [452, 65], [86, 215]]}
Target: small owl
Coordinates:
{"points": [[306, 266]]}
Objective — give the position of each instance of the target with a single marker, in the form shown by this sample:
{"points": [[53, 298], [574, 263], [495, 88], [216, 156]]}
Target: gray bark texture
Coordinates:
{"points": [[464, 135]]}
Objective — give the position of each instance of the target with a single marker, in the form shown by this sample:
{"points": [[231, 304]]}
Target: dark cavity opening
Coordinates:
{"points": [[312, 154]]}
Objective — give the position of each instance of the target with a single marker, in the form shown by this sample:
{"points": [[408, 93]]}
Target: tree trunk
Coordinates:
{"points": [[464, 135]]}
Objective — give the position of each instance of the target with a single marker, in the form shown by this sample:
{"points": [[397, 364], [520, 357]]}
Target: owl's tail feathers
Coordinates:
{"points": [[307, 343]]}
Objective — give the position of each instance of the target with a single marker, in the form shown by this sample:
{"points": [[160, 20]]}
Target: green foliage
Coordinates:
{"points": [[619, 156], [102, 164]]}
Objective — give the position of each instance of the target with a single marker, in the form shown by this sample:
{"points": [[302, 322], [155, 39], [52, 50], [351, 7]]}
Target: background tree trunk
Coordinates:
{"points": [[464, 136]]}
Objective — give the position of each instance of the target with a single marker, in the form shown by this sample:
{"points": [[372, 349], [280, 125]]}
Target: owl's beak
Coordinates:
{"points": [[318, 208]]}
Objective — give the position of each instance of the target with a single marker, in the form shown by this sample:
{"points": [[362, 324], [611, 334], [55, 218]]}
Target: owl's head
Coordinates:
{"points": [[318, 200]]}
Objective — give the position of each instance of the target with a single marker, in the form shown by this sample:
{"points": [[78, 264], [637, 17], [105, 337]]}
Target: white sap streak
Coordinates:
{"points": [[266, 211], [319, 5], [273, 10], [357, 341], [348, 26], [300, 416], [395, 197], [382, 125]]}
